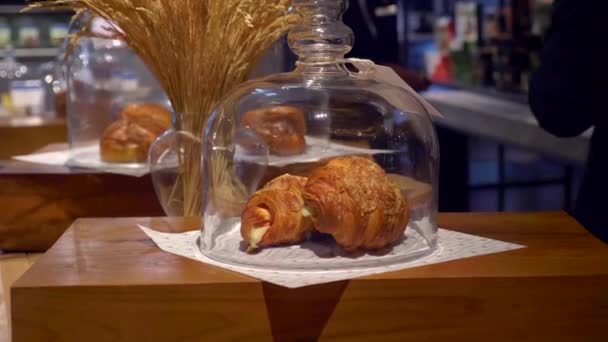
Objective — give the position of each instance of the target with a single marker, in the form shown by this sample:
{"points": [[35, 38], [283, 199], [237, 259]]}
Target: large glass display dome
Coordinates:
{"points": [[326, 167]]}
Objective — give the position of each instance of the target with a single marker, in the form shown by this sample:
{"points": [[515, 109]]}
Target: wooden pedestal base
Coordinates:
{"points": [[105, 280]]}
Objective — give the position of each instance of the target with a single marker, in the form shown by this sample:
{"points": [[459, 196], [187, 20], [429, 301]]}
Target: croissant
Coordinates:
{"points": [[275, 214], [128, 139], [352, 199], [281, 127]]}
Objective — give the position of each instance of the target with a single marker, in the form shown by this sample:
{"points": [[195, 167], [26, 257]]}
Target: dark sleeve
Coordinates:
{"points": [[566, 92]]}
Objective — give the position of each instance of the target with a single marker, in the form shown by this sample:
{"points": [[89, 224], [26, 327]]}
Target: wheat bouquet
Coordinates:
{"points": [[198, 50]]}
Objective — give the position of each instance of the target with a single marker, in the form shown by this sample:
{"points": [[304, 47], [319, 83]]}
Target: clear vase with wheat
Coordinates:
{"points": [[173, 156], [170, 161]]}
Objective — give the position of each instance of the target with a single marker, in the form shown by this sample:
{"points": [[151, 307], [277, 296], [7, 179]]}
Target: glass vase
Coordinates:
{"points": [[175, 163]]}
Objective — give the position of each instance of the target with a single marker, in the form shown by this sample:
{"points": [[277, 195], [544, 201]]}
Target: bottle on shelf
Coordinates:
{"points": [[28, 33]]}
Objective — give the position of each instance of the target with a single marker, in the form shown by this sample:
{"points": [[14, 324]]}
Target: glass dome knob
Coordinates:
{"points": [[321, 35]]}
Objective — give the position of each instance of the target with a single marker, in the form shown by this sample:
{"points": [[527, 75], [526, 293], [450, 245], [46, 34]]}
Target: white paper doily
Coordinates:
{"points": [[57, 158], [452, 246], [90, 158], [85, 157]]}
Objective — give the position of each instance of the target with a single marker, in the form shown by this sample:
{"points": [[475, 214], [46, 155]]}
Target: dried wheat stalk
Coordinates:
{"points": [[198, 50]]}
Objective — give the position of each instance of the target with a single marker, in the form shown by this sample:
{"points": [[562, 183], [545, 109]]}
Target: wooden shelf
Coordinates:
{"points": [[16, 9], [33, 52], [39, 202]]}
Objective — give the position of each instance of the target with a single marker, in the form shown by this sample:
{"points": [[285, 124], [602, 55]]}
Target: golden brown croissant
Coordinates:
{"points": [[352, 199], [275, 214], [128, 139], [281, 127]]}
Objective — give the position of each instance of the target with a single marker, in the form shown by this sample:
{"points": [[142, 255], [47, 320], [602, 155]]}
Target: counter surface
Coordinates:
{"points": [[105, 280], [504, 121]]}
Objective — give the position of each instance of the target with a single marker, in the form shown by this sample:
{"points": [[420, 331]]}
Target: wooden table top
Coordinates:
{"points": [[555, 289], [556, 246]]}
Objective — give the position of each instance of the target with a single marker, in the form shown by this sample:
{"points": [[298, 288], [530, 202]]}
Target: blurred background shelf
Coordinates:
{"points": [[18, 7], [33, 52]]}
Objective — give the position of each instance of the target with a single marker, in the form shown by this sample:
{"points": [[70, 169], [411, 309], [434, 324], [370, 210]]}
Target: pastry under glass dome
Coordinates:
{"points": [[335, 111]]}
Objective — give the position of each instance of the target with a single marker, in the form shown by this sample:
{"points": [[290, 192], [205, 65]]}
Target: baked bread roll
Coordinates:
{"points": [[275, 214], [281, 127], [352, 199], [149, 114], [128, 139]]}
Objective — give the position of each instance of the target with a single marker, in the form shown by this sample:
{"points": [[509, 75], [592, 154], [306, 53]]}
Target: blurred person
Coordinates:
{"points": [[568, 96]]}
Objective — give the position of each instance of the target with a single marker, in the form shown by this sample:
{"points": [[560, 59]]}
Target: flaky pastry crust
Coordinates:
{"points": [[275, 214], [352, 199]]}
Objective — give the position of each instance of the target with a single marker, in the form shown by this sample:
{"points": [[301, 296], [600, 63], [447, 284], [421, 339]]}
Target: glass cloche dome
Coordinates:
{"points": [[106, 81], [331, 166]]}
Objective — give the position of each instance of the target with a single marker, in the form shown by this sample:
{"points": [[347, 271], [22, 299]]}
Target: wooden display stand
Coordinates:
{"points": [[28, 134], [39, 202], [105, 280], [12, 266]]}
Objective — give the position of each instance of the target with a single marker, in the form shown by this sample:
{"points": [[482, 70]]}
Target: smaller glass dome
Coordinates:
{"points": [[331, 166], [103, 78]]}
